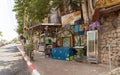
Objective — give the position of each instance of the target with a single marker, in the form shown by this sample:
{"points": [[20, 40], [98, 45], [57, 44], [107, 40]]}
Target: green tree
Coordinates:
{"points": [[1, 34], [4, 40], [15, 40], [34, 10], [19, 9], [74, 4], [30, 12]]}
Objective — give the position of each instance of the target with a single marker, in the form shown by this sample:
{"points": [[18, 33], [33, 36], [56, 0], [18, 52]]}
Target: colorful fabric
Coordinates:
{"points": [[94, 26]]}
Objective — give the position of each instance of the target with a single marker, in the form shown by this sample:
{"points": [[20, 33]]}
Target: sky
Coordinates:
{"points": [[8, 21]]}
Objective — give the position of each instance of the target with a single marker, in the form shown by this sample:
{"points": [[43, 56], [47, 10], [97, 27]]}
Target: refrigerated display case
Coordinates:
{"points": [[92, 46]]}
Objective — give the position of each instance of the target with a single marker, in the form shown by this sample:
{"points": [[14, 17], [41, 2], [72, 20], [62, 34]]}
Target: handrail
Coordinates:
{"points": [[110, 62], [110, 57]]}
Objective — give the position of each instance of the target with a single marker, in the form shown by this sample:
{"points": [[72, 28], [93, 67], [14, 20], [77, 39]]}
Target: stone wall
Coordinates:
{"points": [[110, 34]]}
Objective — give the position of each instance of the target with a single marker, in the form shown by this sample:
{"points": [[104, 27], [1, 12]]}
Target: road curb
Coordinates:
{"points": [[30, 65]]}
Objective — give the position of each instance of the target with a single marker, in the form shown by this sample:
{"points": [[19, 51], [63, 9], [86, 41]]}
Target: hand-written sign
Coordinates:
{"points": [[70, 18]]}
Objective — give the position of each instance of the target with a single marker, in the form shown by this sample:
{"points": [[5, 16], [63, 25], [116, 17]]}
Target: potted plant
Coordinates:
{"points": [[80, 53], [30, 48]]}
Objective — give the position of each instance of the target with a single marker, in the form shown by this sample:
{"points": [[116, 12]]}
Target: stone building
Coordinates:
{"points": [[109, 34]]}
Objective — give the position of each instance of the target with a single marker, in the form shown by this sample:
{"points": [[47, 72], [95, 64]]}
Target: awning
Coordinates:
{"points": [[51, 27], [45, 24], [110, 9], [106, 3], [107, 8]]}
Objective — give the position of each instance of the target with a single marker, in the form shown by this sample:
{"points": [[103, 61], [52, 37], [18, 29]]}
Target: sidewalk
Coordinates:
{"points": [[49, 66]]}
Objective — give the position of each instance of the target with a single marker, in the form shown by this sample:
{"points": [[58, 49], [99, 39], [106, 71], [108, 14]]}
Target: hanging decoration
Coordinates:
{"points": [[76, 28], [94, 26], [81, 30]]}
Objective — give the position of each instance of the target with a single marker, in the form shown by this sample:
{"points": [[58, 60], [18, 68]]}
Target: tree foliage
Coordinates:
{"points": [[14, 40], [73, 3], [30, 12], [19, 9], [1, 33]]}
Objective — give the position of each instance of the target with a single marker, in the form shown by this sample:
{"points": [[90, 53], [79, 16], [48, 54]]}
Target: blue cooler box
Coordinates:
{"points": [[62, 53]]}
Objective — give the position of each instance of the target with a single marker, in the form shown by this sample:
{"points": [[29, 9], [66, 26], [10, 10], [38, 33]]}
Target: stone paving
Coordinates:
{"points": [[116, 71], [48, 66]]}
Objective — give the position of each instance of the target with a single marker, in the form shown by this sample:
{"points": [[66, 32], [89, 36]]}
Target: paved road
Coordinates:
{"points": [[11, 61]]}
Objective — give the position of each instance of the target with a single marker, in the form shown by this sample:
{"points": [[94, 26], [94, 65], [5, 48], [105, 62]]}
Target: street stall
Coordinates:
{"points": [[70, 38], [64, 51], [80, 41], [50, 34], [47, 35], [65, 37]]}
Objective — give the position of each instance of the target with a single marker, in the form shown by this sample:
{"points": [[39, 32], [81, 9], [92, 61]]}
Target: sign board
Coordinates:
{"points": [[70, 18], [106, 3]]}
